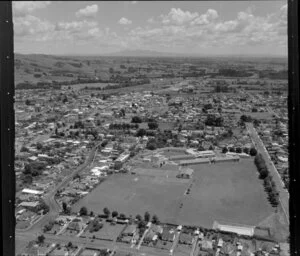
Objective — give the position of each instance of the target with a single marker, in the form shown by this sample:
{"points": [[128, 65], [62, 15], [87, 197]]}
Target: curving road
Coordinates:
{"points": [[54, 207]]}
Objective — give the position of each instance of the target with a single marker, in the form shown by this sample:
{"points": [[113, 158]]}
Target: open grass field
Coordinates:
{"points": [[225, 192], [135, 194]]}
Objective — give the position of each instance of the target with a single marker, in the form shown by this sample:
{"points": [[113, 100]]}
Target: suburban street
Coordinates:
{"points": [[83, 242], [283, 193], [54, 207]]}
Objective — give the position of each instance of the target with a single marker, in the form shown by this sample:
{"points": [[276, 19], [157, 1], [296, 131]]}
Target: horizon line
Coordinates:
{"points": [[115, 54]]}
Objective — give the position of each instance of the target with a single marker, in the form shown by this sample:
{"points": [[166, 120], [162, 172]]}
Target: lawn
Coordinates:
{"points": [[228, 192], [62, 251], [183, 250], [22, 224], [55, 229], [164, 245], [107, 232]]}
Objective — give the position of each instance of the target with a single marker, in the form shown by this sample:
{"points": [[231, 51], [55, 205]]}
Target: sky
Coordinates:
{"points": [[188, 27]]}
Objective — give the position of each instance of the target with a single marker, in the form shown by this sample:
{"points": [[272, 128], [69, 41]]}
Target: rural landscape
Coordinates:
{"points": [[142, 152]]}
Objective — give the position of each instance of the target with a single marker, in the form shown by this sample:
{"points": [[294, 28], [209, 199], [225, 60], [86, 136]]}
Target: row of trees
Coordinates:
{"points": [[269, 184], [114, 214], [252, 151], [261, 166], [123, 126]]}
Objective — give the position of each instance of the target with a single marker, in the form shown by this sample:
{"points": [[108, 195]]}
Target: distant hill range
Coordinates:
{"points": [[145, 53], [149, 53], [34, 68]]}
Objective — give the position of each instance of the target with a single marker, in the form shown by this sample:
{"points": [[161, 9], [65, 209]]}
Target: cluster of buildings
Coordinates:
{"points": [[57, 130]]}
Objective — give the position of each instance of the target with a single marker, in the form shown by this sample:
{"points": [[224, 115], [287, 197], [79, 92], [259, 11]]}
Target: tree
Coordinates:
{"points": [[224, 150], [245, 118], [122, 112], [201, 148], [77, 176], [27, 102], [106, 211], [155, 219], [153, 125], [24, 149], [27, 179], [151, 145], [179, 128], [27, 169], [147, 216], [238, 150], [65, 207], [246, 150], [83, 211], [39, 146], [114, 214], [142, 225], [138, 217], [41, 239], [136, 119], [141, 133], [253, 152], [122, 216], [212, 120], [43, 207]]}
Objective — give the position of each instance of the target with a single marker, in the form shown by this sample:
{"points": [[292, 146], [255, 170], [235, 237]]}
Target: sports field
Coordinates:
{"points": [[135, 194], [224, 192]]}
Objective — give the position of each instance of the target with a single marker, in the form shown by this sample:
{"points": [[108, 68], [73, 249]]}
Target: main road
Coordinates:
{"points": [[283, 193]]}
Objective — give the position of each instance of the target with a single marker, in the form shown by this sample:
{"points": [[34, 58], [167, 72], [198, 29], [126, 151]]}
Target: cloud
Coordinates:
{"points": [[134, 2], [151, 20], [22, 8], [187, 29], [88, 11], [74, 26], [125, 21], [176, 28], [31, 26], [206, 18], [178, 16]]}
